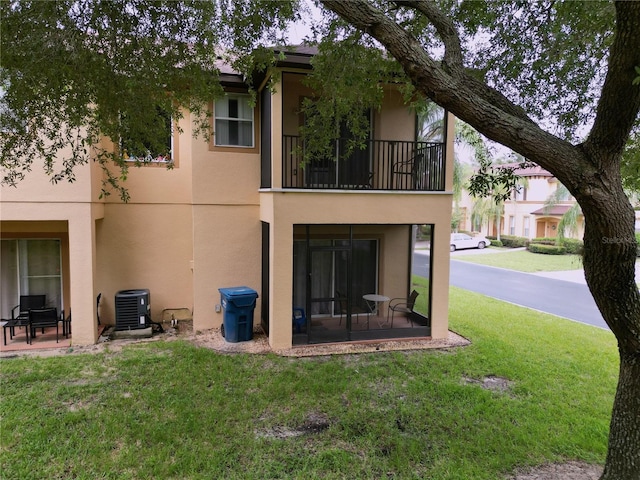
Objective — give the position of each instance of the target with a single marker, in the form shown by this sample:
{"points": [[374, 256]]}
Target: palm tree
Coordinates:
{"points": [[569, 221], [431, 126], [488, 209]]}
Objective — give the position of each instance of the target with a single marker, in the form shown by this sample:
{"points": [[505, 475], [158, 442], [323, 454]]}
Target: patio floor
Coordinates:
{"points": [[40, 342]]}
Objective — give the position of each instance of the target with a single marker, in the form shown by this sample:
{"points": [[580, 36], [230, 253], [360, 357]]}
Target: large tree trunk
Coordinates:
{"points": [[623, 456], [609, 265]]}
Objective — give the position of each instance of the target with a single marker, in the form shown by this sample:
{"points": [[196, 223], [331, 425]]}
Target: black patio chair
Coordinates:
{"points": [[411, 172], [355, 309], [42, 318], [403, 305], [27, 302]]}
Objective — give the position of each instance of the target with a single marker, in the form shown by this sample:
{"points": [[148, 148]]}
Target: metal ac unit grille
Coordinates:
{"points": [[132, 309]]}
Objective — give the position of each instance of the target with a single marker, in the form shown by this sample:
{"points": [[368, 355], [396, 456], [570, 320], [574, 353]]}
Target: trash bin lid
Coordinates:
{"points": [[238, 292], [239, 296]]}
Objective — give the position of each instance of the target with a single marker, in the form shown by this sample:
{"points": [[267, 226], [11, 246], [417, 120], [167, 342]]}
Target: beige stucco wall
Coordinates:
{"points": [[145, 246], [37, 187], [394, 120], [227, 253], [188, 231], [284, 209], [26, 218]]}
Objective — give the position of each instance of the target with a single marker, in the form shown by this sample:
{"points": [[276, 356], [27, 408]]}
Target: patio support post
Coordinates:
{"points": [[82, 266], [281, 285]]}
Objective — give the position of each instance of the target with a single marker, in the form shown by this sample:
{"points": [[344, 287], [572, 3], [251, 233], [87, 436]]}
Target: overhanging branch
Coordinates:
{"points": [[620, 100]]}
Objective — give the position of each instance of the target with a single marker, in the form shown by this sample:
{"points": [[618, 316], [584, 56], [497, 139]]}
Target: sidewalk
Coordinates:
{"points": [[576, 276]]}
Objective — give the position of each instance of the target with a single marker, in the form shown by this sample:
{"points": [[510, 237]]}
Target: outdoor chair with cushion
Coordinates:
{"points": [[403, 305], [42, 318]]}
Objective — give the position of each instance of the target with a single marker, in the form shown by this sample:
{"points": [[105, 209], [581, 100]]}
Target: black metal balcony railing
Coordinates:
{"points": [[380, 165]]}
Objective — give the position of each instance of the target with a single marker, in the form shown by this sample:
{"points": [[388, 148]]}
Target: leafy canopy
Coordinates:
{"points": [[71, 70]]}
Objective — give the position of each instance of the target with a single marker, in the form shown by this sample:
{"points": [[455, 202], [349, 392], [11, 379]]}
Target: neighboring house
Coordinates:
{"points": [[241, 210], [525, 213]]}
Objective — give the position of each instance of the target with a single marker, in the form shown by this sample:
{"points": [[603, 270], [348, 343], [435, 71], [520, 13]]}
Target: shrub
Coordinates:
{"points": [[638, 241], [510, 241], [495, 243], [544, 240], [573, 245], [546, 249]]}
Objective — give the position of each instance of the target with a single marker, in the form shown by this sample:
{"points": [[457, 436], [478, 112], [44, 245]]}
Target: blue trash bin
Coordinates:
{"points": [[238, 304]]}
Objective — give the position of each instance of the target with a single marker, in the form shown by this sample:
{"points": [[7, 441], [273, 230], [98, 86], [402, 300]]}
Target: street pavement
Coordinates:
{"points": [[564, 294]]}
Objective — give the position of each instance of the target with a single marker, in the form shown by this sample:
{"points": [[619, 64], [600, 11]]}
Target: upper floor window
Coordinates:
{"points": [[520, 193], [138, 146], [234, 121]]}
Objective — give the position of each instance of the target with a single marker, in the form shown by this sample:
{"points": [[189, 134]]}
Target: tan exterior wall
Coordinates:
{"points": [[37, 187], [145, 246], [283, 210], [24, 219], [394, 121], [193, 229], [227, 253]]}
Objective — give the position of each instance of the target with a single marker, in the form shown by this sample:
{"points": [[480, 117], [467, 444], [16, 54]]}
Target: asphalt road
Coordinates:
{"points": [[559, 297]]}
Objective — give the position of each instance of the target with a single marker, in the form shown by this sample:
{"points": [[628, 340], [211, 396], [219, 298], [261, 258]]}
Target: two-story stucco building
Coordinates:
{"points": [[525, 214], [243, 209]]}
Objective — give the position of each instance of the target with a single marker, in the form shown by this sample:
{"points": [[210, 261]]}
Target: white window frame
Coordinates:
{"points": [[239, 121], [520, 194]]}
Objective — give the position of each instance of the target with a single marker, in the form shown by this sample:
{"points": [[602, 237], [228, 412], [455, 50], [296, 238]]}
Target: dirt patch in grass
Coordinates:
{"points": [[490, 382], [560, 471], [314, 423]]}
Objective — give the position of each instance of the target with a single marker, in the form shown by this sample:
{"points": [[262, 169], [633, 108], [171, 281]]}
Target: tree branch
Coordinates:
{"points": [[474, 102], [619, 103], [453, 59]]}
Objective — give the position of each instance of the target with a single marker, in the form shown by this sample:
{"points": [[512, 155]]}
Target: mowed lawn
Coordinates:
{"points": [[169, 409], [524, 261]]}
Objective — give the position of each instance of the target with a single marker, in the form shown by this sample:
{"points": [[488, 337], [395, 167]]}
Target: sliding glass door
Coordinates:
{"points": [[30, 267], [330, 278]]}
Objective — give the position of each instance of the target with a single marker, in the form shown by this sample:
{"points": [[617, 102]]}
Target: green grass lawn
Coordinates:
{"points": [[174, 410], [525, 261]]}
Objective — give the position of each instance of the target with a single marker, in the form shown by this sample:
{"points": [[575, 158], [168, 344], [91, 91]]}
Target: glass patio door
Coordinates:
{"points": [[323, 300], [30, 267], [327, 273], [331, 167]]}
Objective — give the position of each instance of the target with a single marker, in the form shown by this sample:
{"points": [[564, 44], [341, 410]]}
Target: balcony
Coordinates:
{"points": [[379, 165]]}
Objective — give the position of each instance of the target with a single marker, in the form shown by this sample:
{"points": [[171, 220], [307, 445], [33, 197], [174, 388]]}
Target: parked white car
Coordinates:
{"points": [[462, 240]]}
